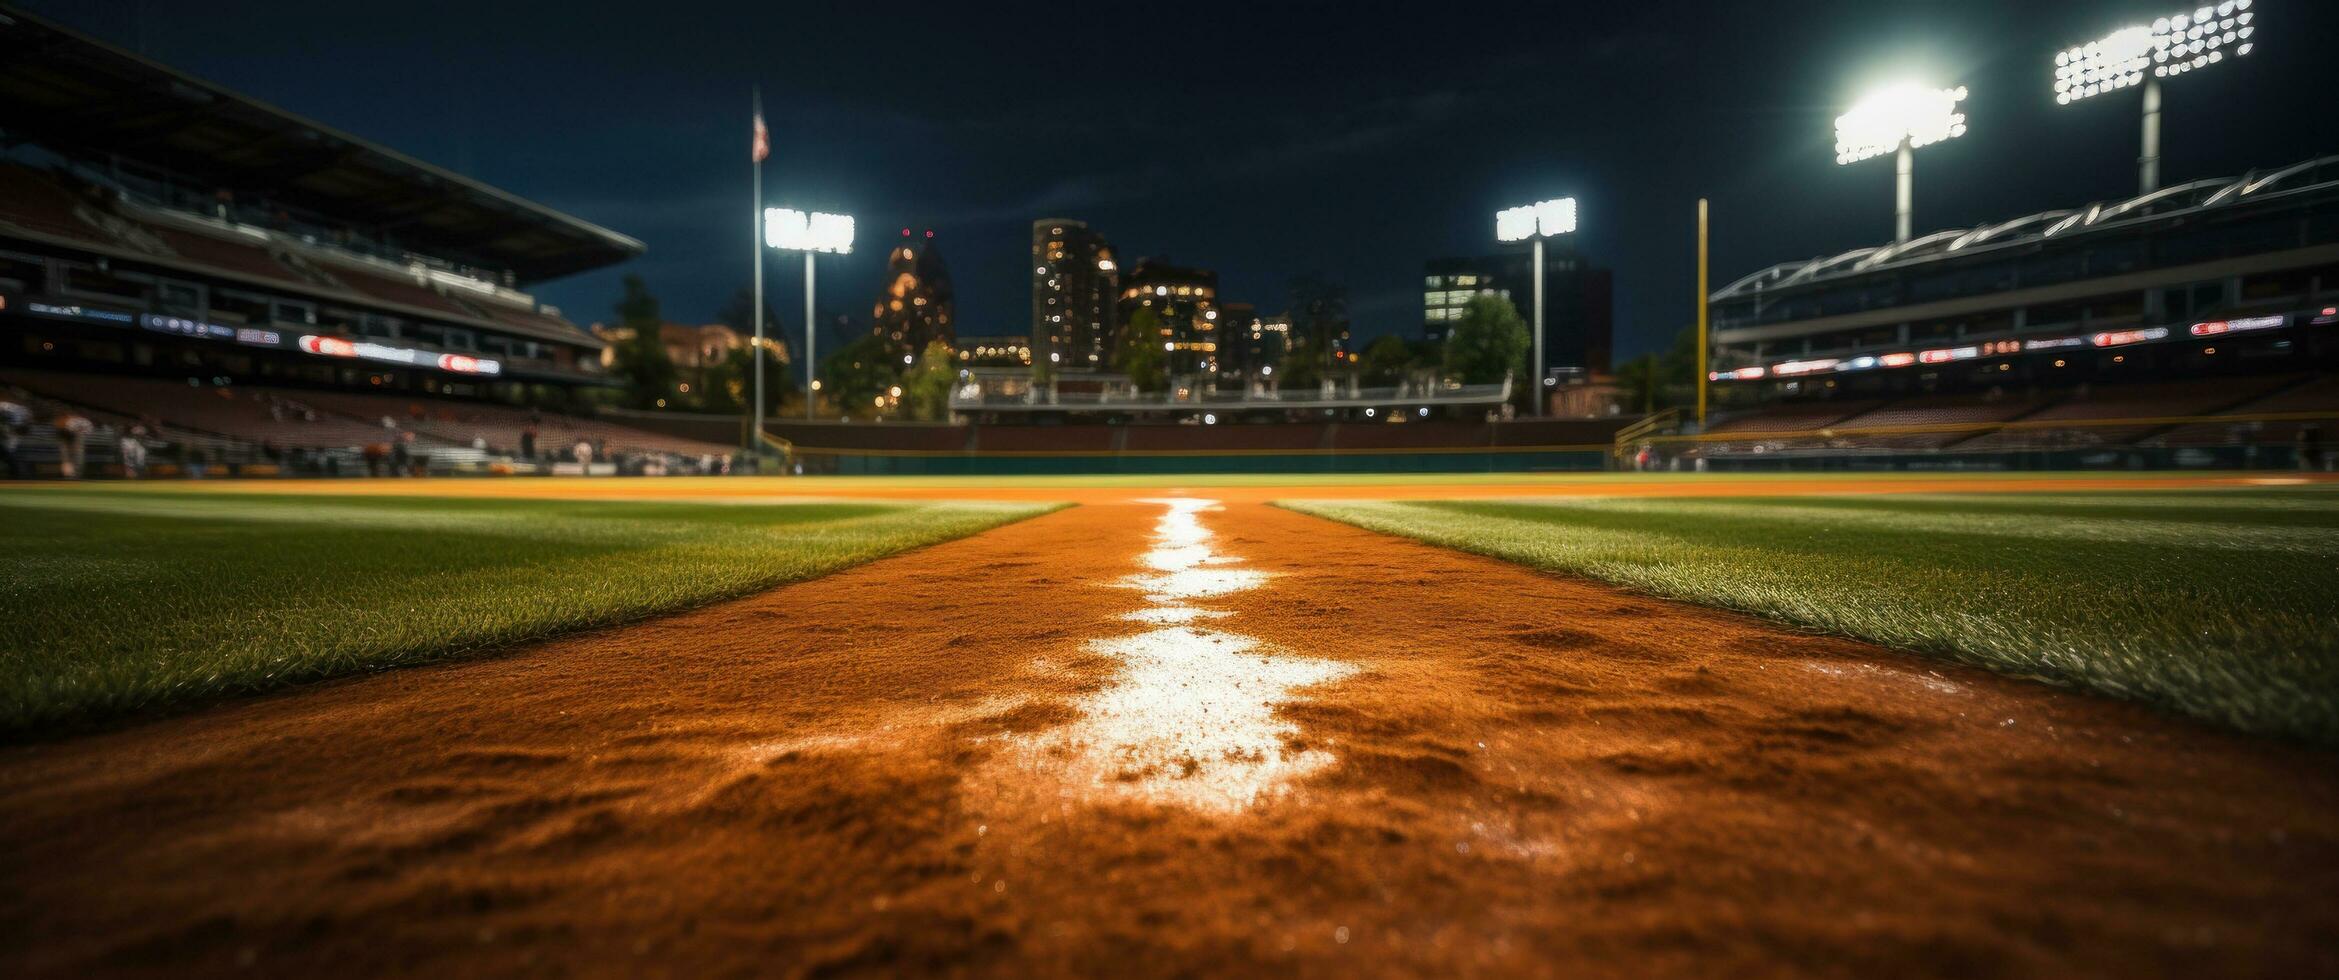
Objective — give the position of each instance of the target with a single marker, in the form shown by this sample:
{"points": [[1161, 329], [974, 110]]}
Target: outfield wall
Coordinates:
{"points": [[904, 449]]}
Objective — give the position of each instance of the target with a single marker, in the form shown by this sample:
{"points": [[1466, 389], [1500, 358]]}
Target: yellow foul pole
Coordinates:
{"points": [[1703, 342]]}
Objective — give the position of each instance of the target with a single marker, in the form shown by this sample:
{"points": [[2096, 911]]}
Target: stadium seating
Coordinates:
{"points": [[1792, 417], [32, 201], [246, 414], [2318, 395], [393, 290], [241, 257], [460, 423], [1975, 409], [2092, 405], [308, 419]]}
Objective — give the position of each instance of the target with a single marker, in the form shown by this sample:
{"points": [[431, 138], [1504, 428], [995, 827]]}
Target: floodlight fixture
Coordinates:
{"points": [[1540, 219], [1889, 118], [812, 233], [2144, 55], [1897, 120], [807, 231], [1534, 223]]}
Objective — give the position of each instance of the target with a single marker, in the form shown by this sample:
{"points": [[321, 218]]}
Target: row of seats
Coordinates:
{"points": [[288, 418], [1999, 420], [35, 201]]}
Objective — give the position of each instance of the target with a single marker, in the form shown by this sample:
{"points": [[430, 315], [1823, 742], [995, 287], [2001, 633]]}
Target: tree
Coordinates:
{"points": [[1488, 342], [1663, 379], [926, 387], [642, 362], [1140, 355], [1301, 367], [732, 387], [1385, 361], [855, 375]]}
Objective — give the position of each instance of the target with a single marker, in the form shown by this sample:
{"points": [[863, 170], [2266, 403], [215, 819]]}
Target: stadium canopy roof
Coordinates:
{"points": [[73, 93], [2194, 199]]}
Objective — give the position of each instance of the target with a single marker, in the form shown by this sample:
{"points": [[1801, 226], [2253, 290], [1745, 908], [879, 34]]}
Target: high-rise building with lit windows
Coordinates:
{"points": [[1073, 282], [1578, 318], [913, 306], [1185, 302]]}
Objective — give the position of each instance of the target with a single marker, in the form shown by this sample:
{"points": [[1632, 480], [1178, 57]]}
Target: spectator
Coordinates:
{"points": [[13, 419], [479, 443], [402, 455], [375, 453], [584, 453], [132, 447], [528, 439], [72, 443]]}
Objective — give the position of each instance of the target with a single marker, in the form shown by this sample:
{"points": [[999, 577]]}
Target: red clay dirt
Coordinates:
{"points": [[1324, 751]]}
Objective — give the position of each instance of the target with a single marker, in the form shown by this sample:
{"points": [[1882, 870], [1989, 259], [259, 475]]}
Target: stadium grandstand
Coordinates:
{"points": [[2193, 326], [244, 288]]}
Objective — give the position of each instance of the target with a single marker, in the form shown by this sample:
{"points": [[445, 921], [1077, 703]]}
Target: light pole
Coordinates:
{"points": [[1898, 120], [2144, 55], [1536, 222], [809, 232]]}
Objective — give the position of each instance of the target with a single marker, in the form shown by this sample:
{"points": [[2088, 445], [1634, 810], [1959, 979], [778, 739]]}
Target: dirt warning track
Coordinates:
{"points": [[1165, 736]]}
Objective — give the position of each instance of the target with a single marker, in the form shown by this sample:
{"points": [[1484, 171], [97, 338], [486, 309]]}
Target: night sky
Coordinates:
{"points": [[1354, 139]]}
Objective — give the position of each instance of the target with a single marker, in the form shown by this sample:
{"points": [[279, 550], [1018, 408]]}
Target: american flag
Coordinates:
{"points": [[762, 146]]}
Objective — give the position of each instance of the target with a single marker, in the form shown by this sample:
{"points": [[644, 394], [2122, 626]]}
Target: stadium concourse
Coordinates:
{"points": [[1180, 727]]}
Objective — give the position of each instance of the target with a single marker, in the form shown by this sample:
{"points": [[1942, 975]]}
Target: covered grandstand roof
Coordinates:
{"points": [[68, 91], [2193, 199]]}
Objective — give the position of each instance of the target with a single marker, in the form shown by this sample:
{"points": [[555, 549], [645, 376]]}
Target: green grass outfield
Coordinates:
{"points": [[124, 599], [2222, 604]]}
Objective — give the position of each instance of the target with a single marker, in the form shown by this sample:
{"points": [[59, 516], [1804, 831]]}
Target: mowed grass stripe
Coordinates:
{"points": [[119, 602], [2228, 620]]}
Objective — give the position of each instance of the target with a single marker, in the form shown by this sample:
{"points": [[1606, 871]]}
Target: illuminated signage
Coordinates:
{"points": [[186, 328], [1947, 354], [2054, 343], [1896, 360], [80, 313], [1914, 114], [1804, 367], [2122, 338], [458, 363], [2329, 315], [2217, 327], [1544, 218], [807, 231]]}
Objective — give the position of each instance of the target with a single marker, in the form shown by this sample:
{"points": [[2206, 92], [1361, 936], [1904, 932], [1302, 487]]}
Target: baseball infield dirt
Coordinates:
{"points": [[1168, 737]]}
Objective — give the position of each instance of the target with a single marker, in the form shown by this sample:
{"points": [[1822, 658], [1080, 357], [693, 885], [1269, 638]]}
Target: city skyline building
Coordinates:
{"points": [[1074, 281], [1579, 320], [913, 306], [1185, 299]]}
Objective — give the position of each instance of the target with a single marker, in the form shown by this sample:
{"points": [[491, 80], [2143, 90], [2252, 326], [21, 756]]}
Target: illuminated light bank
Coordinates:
{"points": [[2168, 47], [1540, 219], [1907, 113], [808, 231]]}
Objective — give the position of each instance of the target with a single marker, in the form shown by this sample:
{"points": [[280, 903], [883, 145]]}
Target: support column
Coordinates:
{"points": [[1904, 192], [2148, 163]]}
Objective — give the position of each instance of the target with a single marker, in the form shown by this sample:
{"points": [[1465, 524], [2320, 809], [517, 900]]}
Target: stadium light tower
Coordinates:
{"points": [[2143, 55], [811, 233], [1536, 222], [1897, 120]]}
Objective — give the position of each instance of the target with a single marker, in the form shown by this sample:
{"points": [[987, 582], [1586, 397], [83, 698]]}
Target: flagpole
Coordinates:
{"points": [[755, 242]]}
